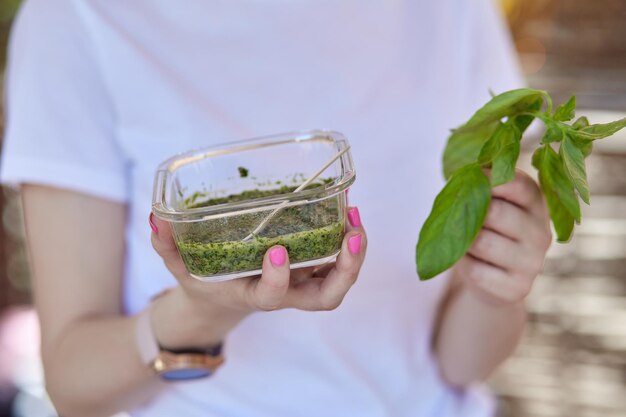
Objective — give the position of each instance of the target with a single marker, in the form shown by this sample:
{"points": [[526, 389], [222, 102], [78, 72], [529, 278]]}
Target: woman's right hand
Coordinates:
{"points": [[218, 307]]}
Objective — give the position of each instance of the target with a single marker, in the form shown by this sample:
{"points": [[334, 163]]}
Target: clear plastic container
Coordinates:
{"points": [[215, 197]]}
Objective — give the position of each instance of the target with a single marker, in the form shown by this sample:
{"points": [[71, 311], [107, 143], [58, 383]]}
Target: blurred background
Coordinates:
{"points": [[572, 361]]}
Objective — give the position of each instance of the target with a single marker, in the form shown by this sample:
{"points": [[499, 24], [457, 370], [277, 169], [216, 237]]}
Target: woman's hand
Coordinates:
{"points": [[223, 304], [509, 251], [483, 315]]}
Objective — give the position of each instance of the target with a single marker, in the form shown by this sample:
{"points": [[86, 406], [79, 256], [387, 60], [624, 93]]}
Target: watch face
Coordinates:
{"points": [[185, 374]]}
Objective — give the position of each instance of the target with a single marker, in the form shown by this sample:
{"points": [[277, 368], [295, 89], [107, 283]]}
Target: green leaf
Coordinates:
{"points": [[463, 148], [523, 121], [581, 122], [565, 112], [601, 131], [503, 166], [554, 132], [501, 152], [574, 162], [456, 218], [503, 105], [493, 145], [558, 190], [586, 148]]}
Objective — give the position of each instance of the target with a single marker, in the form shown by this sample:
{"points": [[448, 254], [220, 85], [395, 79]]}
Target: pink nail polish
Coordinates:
{"points": [[152, 225], [354, 244], [354, 217], [278, 255]]}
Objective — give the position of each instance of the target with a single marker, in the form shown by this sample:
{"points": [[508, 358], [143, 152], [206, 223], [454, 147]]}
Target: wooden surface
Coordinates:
{"points": [[572, 361]]}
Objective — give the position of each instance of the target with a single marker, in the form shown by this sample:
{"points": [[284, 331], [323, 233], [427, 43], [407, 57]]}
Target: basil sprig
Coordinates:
{"points": [[491, 140]]}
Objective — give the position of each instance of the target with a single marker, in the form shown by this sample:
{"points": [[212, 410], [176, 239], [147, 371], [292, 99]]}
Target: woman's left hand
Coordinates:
{"points": [[509, 251]]}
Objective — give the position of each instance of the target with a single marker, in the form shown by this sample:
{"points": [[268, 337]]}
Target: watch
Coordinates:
{"points": [[174, 365]]}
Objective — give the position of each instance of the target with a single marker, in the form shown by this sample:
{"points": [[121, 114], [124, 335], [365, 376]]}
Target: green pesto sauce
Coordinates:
{"points": [[213, 247], [206, 259]]}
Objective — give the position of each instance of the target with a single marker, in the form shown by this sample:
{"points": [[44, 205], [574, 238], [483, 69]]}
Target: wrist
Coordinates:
{"points": [[182, 323]]}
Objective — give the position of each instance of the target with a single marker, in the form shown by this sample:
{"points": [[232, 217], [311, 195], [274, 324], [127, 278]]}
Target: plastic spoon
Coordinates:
{"points": [[300, 188]]}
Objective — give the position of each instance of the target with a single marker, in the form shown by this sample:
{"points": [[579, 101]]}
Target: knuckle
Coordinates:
{"points": [[350, 272], [267, 305], [548, 238], [351, 278], [155, 243], [523, 177], [277, 286], [537, 266], [472, 271], [496, 211], [521, 290], [330, 303], [483, 243]]}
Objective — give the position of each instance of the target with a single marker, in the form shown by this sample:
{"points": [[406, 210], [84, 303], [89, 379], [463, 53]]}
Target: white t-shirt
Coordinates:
{"points": [[101, 91]]}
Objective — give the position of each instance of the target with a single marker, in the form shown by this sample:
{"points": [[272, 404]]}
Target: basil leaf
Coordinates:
{"points": [[558, 190], [463, 148], [554, 132], [501, 152], [523, 121], [493, 145], [503, 166], [586, 148], [565, 112], [601, 131], [581, 122], [456, 218], [574, 162], [506, 104]]}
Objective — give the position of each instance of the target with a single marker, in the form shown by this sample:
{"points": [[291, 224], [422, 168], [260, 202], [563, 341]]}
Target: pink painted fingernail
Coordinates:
{"points": [[152, 225], [354, 244], [354, 217], [278, 255]]}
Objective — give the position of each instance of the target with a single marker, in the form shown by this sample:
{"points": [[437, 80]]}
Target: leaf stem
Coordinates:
{"points": [[549, 104]]}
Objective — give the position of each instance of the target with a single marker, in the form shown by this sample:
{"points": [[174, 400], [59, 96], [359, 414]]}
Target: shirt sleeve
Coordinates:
{"points": [[59, 119]]}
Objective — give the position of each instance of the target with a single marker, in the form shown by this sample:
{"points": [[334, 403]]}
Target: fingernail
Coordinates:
{"points": [[354, 244], [354, 217], [152, 225], [278, 255]]}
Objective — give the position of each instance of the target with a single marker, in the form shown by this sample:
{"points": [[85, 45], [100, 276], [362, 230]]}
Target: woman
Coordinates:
{"points": [[99, 93]]}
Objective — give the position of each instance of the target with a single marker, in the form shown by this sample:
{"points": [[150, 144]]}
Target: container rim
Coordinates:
{"points": [[168, 167]]}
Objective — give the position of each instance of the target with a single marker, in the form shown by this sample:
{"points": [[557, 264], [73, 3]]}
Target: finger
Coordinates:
{"points": [[341, 278], [327, 292], [490, 282], [164, 244], [268, 292], [511, 221], [354, 220], [497, 250], [524, 192]]}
